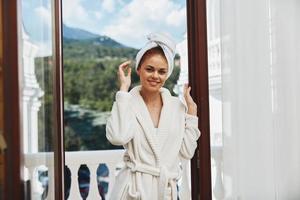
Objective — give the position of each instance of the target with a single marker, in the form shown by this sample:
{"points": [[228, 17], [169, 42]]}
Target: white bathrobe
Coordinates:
{"points": [[152, 156]]}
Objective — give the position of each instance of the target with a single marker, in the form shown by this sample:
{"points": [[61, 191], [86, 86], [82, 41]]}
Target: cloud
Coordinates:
{"points": [[41, 29], [138, 18], [176, 17], [74, 14], [98, 15], [40, 33], [121, 2], [44, 14], [109, 5], [79, 15], [127, 21]]}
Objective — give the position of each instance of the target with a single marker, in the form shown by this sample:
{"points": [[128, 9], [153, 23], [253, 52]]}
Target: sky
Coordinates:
{"points": [[126, 21]]}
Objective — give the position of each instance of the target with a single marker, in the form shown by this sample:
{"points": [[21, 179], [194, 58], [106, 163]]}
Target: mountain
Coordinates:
{"points": [[71, 34], [77, 34]]}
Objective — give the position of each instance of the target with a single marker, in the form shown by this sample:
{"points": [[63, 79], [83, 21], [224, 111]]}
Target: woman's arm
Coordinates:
{"points": [[191, 133], [119, 125]]}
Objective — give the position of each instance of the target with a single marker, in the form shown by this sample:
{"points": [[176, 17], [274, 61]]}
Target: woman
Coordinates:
{"points": [[156, 129]]}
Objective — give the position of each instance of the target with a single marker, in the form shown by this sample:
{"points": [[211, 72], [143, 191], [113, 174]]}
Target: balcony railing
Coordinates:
{"points": [[38, 163]]}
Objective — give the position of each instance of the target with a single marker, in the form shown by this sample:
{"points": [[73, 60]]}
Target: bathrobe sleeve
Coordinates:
{"points": [[119, 127], [191, 135]]}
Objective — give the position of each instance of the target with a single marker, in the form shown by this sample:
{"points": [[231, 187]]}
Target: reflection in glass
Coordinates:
{"points": [[36, 41]]}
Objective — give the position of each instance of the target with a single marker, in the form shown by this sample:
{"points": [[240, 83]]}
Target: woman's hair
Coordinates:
{"points": [[155, 50]]}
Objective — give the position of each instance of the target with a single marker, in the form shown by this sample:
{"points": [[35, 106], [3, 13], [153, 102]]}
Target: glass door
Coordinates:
{"points": [[38, 97], [97, 37]]}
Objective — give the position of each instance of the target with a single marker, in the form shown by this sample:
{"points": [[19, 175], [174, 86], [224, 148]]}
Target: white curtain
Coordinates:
{"points": [[260, 56]]}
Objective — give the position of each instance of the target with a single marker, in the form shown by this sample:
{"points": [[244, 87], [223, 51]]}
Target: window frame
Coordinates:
{"points": [[198, 80], [14, 185], [59, 153]]}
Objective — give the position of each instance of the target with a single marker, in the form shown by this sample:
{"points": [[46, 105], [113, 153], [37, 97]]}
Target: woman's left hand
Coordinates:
{"points": [[192, 106]]}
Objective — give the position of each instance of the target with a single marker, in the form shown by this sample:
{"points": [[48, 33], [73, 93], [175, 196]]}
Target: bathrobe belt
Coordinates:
{"points": [[165, 177]]}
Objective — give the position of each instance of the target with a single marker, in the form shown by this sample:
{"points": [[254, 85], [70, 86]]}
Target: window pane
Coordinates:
{"points": [[37, 61], [97, 37], [215, 96]]}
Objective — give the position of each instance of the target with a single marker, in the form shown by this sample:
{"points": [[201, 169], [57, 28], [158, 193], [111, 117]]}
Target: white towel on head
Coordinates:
{"points": [[167, 44]]}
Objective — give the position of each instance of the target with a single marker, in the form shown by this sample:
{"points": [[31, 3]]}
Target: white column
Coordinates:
{"points": [[31, 92], [74, 190], [112, 177], [51, 171], [93, 193]]}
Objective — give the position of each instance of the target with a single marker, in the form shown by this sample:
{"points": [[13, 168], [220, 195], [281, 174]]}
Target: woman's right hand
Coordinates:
{"points": [[192, 106], [125, 80]]}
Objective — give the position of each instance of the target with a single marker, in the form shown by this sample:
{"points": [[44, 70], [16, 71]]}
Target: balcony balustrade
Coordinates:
{"points": [[42, 163]]}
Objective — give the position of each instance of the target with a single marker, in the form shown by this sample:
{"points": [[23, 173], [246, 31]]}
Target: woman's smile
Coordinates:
{"points": [[153, 82]]}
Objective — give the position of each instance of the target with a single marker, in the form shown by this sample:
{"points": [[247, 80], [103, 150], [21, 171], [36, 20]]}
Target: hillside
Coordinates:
{"points": [[77, 34], [72, 34], [93, 49], [79, 44]]}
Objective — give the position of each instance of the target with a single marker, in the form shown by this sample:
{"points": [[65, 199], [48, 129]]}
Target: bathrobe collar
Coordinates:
{"points": [[155, 139]]}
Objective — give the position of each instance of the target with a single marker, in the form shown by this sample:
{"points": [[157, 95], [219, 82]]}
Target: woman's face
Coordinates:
{"points": [[153, 72]]}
